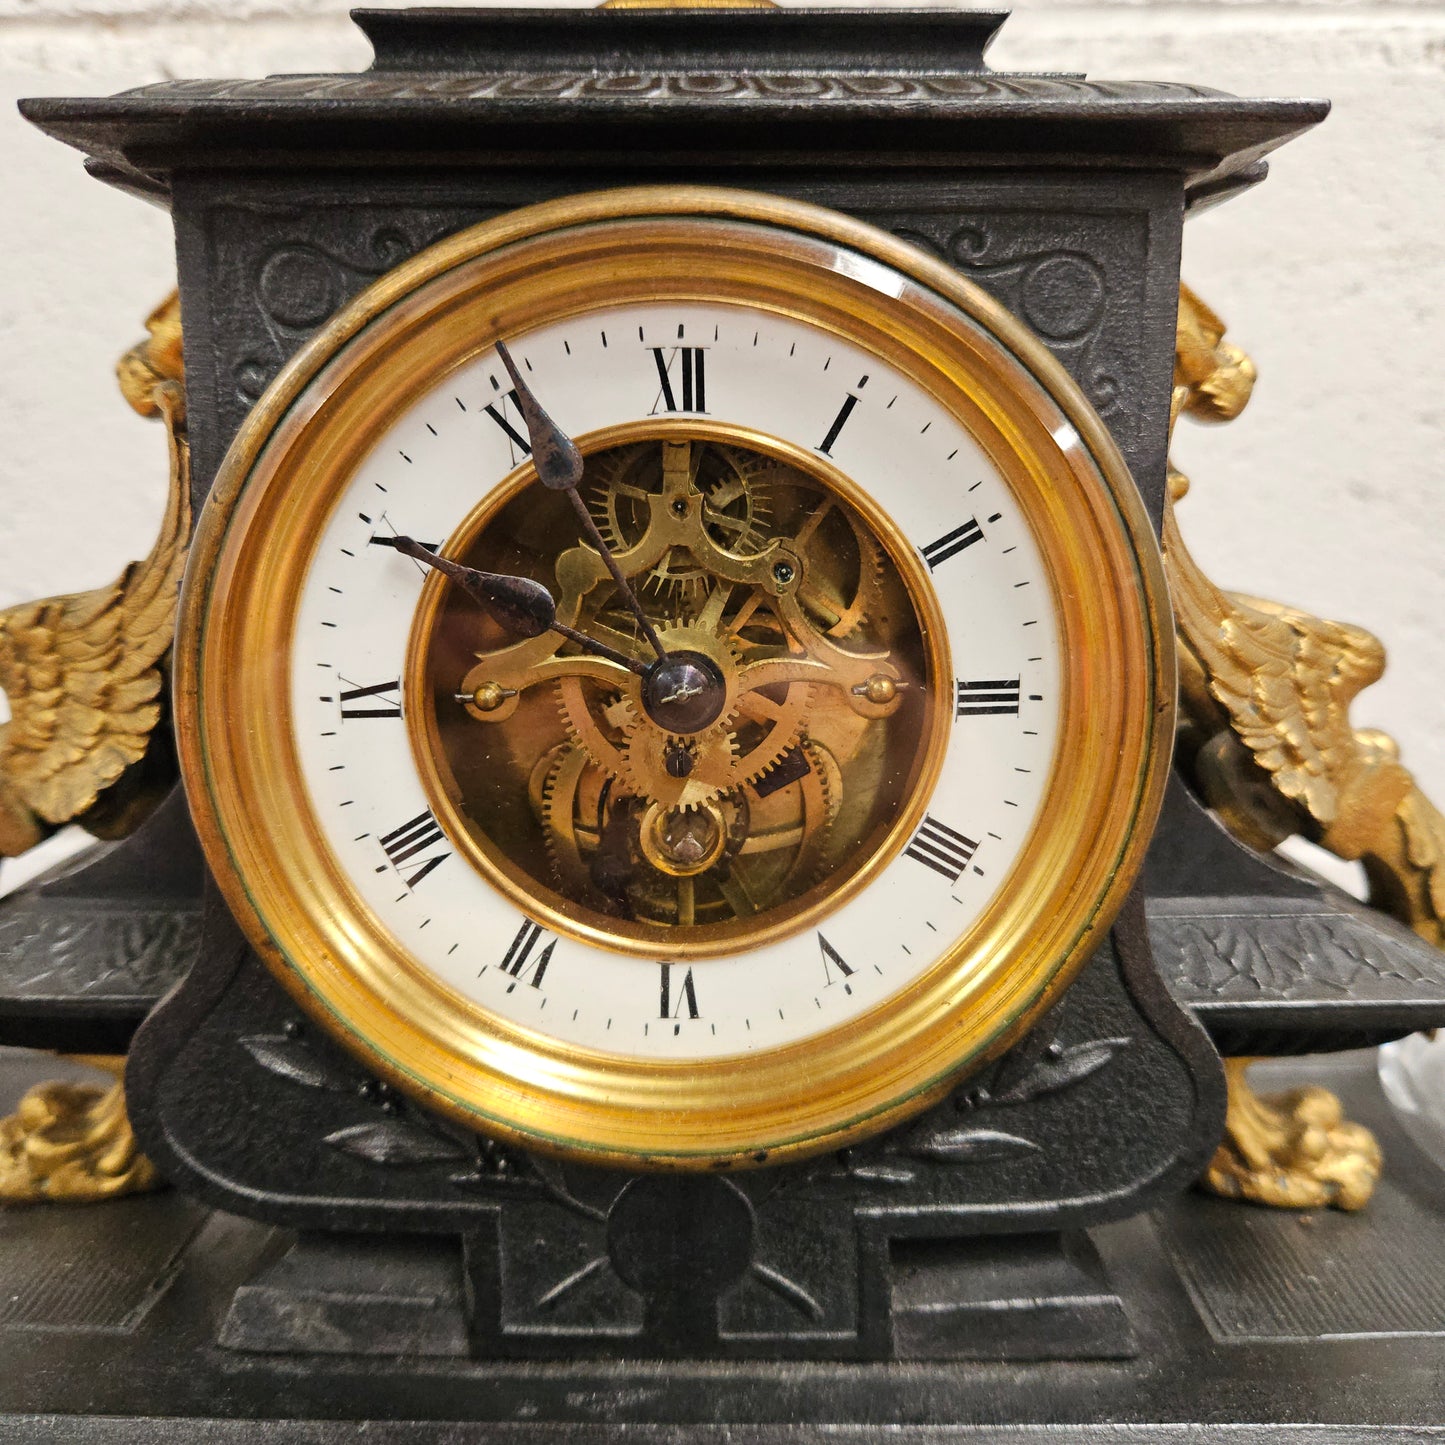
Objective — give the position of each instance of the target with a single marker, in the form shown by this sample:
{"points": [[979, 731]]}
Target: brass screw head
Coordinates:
{"points": [[880, 689], [489, 697]]}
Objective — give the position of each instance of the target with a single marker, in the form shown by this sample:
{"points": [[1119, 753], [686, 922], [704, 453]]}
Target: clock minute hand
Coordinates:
{"points": [[559, 467], [522, 606]]}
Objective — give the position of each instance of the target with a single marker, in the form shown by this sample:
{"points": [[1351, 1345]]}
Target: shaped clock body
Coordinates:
{"points": [[880, 523]]}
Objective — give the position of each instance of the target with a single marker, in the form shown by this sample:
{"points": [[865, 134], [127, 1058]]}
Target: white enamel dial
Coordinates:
{"points": [[779, 377]]}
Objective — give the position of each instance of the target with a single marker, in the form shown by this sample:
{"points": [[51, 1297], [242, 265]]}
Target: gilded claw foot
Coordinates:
{"points": [[72, 1143], [1294, 1150]]}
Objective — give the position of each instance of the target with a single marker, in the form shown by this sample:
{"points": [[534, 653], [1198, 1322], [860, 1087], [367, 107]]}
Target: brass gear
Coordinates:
{"points": [[736, 507]]}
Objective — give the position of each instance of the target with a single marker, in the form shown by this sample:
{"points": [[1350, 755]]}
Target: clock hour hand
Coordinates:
{"points": [[559, 467], [522, 606]]}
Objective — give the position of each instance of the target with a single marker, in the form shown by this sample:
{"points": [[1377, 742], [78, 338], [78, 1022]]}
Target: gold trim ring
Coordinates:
{"points": [[431, 315]]}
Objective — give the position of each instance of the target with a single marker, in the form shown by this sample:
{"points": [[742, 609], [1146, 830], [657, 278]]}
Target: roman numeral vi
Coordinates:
{"points": [[685, 996]]}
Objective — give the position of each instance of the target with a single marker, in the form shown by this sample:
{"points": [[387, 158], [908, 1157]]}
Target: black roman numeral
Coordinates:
{"points": [[686, 996], [952, 543], [405, 843], [939, 847], [978, 699], [832, 959], [517, 444], [691, 378], [381, 699], [839, 422], [519, 962]]}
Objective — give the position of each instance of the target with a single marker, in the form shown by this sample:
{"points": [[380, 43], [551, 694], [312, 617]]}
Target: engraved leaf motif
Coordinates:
{"points": [[970, 1146], [881, 1174], [1062, 1068], [294, 1061], [395, 1143]]}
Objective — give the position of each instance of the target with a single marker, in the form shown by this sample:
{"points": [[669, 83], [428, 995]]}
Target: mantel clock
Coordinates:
{"points": [[674, 683], [841, 751]]}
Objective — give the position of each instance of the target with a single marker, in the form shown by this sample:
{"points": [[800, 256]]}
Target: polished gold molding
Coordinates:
{"points": [[72, 1143], [307, 434], [84, 674], [1294, 1150]]}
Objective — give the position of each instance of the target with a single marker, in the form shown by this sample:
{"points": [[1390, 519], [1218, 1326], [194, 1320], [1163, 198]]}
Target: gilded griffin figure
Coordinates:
{"points": [[86, 743], [1266, 738], [84, 674]]}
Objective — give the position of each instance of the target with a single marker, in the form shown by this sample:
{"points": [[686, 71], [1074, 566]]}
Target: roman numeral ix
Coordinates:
{"points": [[978, 699], [939, 847], [518, 962], [690, 375], [952, 543], [404, 844]]}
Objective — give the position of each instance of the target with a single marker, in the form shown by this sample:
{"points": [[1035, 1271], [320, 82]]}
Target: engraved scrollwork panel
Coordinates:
{"points": [[276, 276], [1073, 278], [664, 86]]}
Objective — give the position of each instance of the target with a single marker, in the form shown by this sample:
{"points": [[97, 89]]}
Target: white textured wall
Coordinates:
{"points": [[1328, 493]]}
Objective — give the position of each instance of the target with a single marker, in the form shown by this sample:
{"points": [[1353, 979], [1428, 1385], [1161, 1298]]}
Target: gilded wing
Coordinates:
{"points": [[1267, 689], [81, 672], [1280, 679]]}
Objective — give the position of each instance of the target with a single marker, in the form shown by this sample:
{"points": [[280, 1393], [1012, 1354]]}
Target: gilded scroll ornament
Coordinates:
{"points": [[72, 1143], [1266, 737], [84, 673]]}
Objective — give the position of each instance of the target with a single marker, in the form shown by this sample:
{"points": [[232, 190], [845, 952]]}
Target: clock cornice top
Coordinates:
{"points": [[787, 88]]}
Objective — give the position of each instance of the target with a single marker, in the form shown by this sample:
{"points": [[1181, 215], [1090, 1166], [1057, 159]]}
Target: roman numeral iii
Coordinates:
{"points": [[978, 699], [686, 365], [941, 848], [403, 844]]}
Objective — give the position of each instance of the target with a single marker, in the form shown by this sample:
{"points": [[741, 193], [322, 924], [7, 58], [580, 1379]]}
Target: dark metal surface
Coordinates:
{"points": [[167, 1381], [805, 89], [87, 950], [796, 1261], [1272, 960]]}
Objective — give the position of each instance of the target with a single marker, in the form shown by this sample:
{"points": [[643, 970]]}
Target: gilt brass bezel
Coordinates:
{"points": [[433, 313]]}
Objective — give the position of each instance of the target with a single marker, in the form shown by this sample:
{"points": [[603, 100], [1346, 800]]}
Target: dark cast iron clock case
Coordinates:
{"points": [[958, 1235]]}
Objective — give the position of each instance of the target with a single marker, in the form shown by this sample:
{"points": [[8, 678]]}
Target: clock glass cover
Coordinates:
{"points": [[839, 759]]}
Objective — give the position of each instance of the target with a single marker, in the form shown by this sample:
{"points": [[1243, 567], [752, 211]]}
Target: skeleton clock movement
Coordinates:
{"points": [[674, 682]]}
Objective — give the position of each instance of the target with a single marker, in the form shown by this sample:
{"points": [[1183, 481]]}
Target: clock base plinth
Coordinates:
{"points": [[1039, 1297], [334, 1294], [1248, 1320], [942, 1239], [1033, 1297]]}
